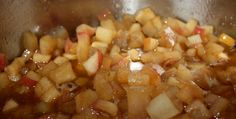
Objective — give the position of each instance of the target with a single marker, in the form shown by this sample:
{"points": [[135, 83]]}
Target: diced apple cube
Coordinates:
{"points": [[134, 54], [41, 58], [150, 44], [161, 107], [33, 75], [108, 24], [85, 99], [47, 44], [42, 86], [83, 47], [100, 46], [104, 35], [15, 67], [144, 15], [70, 56], [60, 60], [50, 95], [107, 107], [102, 87], [30, 41], [85, 29], [62, 74], [10, 105], [191, 25], [135, 27], [45, 70], [93, 63]]}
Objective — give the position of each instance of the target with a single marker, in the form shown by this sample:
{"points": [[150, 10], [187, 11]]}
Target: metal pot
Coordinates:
{"points": [[17, 16]]}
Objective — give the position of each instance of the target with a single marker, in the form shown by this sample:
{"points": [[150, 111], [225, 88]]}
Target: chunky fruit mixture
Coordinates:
{"points": [[140, 67]]}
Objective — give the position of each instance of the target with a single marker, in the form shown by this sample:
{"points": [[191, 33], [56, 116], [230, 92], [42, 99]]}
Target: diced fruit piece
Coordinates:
{"points": [[199, 30], [135, 27], [102, 87], [60, 60], [85, 99], [30, 41], [70, 56], [60, 34], [227, 40], [138, 79], [144, 15], [161, 107], [136, 39], [150, 44], [100, 46], [45, 70], [193, 40], [28, 81], [104, 35], [62, 74], [157, 22], [81, 81], [134, 54], [41, 58], [2, 61], [93, 63], [108, 24], [138, 99], [207, 29], [47, 44], [83, 47], [107, 107], [33, 75], [191, 25], [150, 30], [198, 110], [15, 67], [85, 29], [219, 106], [114, 54], [10, 105], [50, 95], [43, 85], [168, 38], [69, 46], [4, 81]]}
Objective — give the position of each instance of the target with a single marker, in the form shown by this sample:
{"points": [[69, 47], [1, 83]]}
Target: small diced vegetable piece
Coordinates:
{"points": [[193, 40], [104, 35], [107, 107], [83, 47], [10, 105], [33, 75], [102, 87], [191, 25], [4, 81], [199, 30], [114, 54], [26, 81], [161, 107], [60, 60], [138, 99], [41, 58], [43, 85], [150, 44], [227, 40], [100, 46], [62, 74], [60, 34], [93, 63], [15, 67], [85, 99], [47, 44], [198, 110], [50, 95], [184, 73], [30, 41], [70, 56], [2, 62], [85, 29], [144, 15], [157, 22]]}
